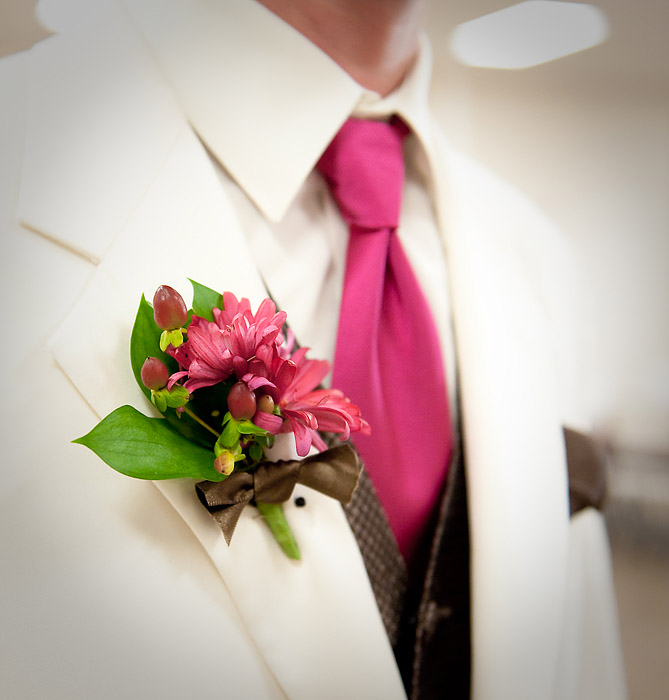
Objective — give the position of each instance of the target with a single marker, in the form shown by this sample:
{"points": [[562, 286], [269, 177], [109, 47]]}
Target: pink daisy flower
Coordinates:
{"points": [[305, 409], [242, 346], [232, 344]]}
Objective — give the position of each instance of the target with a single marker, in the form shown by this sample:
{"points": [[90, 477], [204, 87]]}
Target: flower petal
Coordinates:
{"points": [[268, 421], [175, 378], [302, 438]]}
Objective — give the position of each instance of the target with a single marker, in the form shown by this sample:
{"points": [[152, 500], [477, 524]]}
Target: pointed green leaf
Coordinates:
{"points": [[204, 300], [148, 448], [247, 427], [230, 435]]}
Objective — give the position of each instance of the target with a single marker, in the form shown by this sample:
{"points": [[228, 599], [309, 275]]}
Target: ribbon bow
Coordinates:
{"points": [[333, 472]]}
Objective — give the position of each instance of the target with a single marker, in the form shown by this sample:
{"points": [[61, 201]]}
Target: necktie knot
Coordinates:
{"points": [[364, 169]]}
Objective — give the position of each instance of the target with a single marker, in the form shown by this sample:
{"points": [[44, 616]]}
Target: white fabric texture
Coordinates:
{"points": [[108, 192]]}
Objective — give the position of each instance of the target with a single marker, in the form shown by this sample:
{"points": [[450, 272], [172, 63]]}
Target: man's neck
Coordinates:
{"points": [[374, 41]]}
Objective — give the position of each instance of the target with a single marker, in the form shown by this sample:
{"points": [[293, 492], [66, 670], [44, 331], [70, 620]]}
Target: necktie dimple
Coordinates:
{"points": [[387, 357]]}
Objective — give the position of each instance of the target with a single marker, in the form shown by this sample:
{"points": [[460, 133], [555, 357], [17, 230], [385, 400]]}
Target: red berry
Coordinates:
{"points": [[241, 402], [169, 309], [154, 374], [266, 403]]}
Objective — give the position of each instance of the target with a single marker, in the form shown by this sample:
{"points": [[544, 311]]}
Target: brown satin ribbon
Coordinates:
{"points": [[333, 472]]}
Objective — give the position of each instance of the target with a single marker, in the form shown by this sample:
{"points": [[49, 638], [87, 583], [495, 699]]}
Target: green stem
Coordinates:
{"points": [[274, 516], [199, 420]]}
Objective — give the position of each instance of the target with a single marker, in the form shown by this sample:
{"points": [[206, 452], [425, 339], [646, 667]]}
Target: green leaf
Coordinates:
{"points": [[145, 342], [230, 435], [247, 427], [256, 452], [177, 397], [158, 400], [204, 300], [148, 448]]}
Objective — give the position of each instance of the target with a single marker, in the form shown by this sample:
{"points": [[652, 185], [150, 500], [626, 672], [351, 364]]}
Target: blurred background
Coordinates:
{"points": [[585, 135]]}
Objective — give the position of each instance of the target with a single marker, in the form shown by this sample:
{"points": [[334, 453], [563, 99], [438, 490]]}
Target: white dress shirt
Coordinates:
{"points": [[283, 102]]}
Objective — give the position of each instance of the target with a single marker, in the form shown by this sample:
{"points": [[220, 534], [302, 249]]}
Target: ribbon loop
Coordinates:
{"points": [[334, 472], [274, 481]]}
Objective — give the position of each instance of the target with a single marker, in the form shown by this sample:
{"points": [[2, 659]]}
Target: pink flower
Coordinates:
{"points": [[205, 357], [250, 330], [235, 343], [245, 347], [305, 409]]}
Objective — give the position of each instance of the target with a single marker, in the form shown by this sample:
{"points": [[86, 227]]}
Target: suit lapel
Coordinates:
{"points": [[514, 451], [165, 219], [315, 622], [100, 123]]}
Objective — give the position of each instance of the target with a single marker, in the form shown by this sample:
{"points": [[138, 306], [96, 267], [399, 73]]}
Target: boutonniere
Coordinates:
{"points": [[227, 381]]}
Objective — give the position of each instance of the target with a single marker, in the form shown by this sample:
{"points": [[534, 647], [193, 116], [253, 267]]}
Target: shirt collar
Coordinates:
{"points": [[262, 97], [409, 100]]}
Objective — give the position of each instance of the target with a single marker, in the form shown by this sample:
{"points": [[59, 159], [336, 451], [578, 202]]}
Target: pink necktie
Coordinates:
{"points": [[387, 358]]}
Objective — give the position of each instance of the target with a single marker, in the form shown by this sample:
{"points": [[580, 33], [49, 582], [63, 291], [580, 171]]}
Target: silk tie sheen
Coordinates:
{"points": [[387, 356]]}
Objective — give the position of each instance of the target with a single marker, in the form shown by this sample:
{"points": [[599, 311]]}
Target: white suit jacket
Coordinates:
{"points": [[107, 193]]}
